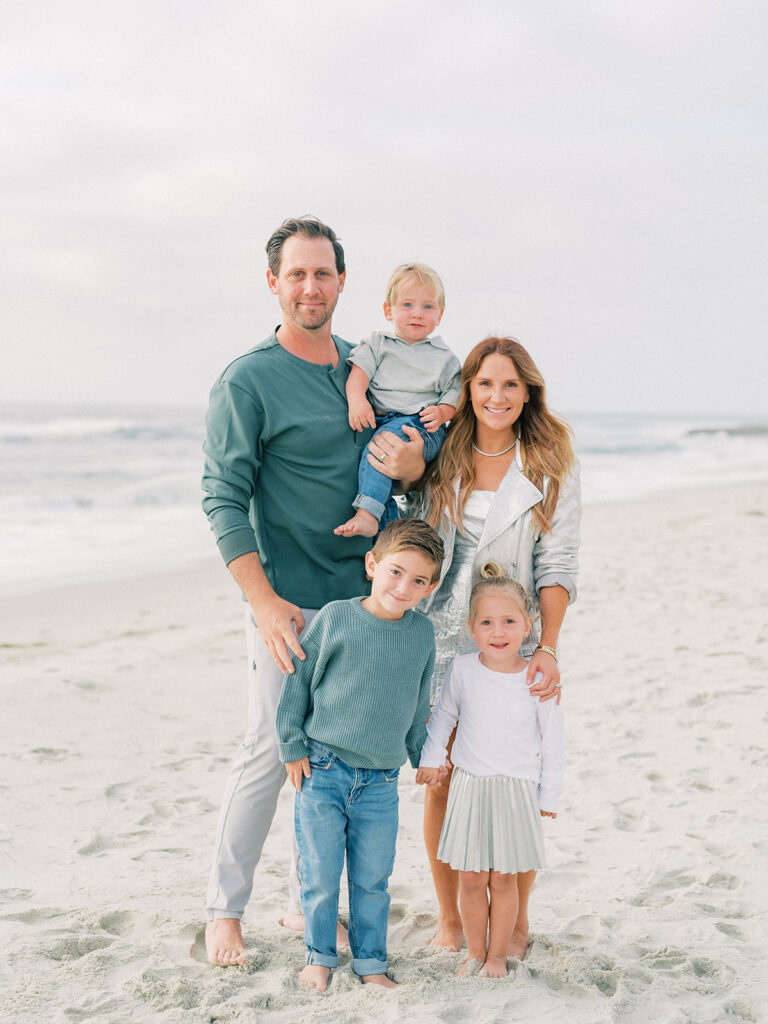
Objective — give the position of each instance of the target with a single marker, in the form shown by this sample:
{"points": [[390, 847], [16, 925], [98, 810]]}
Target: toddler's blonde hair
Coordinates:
{"points": [[425, 275]]}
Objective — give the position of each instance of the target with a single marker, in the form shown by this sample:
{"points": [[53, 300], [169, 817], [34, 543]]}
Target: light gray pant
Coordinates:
{"points": [[253, 786]]}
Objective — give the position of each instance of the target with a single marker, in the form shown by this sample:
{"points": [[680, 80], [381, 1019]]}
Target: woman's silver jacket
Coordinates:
{"points": [[511, 540]]}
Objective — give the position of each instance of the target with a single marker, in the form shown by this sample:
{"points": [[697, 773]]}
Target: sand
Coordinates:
{"points": [[123, 703]]}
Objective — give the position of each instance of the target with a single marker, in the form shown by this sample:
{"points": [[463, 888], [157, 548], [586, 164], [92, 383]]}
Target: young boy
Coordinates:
{"points": [[349, 716], [412, 380]]}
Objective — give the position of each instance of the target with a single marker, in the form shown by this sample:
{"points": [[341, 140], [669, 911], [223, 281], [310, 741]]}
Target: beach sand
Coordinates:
{"points": [[123, 703]]}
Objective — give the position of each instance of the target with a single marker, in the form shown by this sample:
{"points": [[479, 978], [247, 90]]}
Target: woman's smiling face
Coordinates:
{"points": [[497, 392]]}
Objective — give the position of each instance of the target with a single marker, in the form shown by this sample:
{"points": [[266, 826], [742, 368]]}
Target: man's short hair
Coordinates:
{"points": [[410, 535], [308, 226], [425, 275]]}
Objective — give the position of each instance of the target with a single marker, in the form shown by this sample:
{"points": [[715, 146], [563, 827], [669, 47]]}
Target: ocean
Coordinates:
{"points": [[89, 493]]}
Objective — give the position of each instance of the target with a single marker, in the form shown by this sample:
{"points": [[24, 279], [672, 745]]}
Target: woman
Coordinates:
{"points": [[504, 496]]}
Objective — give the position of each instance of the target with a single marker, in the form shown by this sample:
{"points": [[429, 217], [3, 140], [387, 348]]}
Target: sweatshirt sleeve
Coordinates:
{"points": [[445, 715], [416, 735], [296, 701], [552, 728], [234, 434]]}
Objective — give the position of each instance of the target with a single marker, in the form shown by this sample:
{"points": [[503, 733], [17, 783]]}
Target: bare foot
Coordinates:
{"points": [[379, 979], [224, 942], [448, 936], [314, 976], [295, 923], [494, 967], [518, 945], [362, 524], [469, 967]]}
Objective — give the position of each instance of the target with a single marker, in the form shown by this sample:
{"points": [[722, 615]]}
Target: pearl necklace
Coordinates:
{"points": [[494, 455]]}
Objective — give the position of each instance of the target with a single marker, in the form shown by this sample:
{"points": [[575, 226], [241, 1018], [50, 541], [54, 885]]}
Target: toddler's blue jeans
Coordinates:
{"points": [[341, 810], [374, 488]]}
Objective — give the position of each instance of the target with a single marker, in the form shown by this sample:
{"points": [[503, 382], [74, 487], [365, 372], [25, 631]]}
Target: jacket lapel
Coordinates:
{"points": [[516, 494]]}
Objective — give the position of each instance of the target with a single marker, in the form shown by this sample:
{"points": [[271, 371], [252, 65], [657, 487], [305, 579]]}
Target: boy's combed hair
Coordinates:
{"points": [[494, 583], [309, 227], [410, 535], [425, 275]]}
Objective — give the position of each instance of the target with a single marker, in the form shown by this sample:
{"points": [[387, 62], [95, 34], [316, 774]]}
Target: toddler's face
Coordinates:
{"points": [[398, 582], [498, 629], [415, 312]]}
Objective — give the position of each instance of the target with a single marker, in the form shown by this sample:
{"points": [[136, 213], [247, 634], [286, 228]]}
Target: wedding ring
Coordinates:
{"points": [[384, 457]]}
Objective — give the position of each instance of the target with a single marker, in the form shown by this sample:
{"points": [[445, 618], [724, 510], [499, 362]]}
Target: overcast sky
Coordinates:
{"points": [[588, 176]]}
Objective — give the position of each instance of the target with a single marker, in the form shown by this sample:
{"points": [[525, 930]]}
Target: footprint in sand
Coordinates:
{"points": [[119, 922], [722, 880], [49, 753], [76, 946], [100, 844], [731, 931], [659, 893]]}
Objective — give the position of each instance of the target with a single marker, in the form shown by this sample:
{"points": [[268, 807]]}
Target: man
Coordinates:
{"points": [[280, 472]]}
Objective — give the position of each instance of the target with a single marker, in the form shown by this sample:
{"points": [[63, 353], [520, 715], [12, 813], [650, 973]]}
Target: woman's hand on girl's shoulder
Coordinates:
{"points": [[548, 814]]}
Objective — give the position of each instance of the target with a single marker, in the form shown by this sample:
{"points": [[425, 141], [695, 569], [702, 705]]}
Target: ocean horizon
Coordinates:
{"points": [[103, 491]]}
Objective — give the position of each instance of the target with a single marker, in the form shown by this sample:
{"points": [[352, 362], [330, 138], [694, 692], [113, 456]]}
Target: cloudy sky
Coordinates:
{"points": [[587, 176]]}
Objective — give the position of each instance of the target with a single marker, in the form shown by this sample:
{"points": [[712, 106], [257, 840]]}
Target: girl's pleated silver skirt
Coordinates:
{"points": [[492, 822]]}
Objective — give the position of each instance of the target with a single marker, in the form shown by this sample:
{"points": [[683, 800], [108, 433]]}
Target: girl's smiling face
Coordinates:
{"points": [[499, 627]]}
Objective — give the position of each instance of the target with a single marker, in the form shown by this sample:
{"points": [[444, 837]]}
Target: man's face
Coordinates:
{"points": [[307, 284]]}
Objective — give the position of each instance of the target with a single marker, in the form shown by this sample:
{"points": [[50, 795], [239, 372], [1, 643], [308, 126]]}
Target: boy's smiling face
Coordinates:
{"points": [[415, 312], [398, 582]]}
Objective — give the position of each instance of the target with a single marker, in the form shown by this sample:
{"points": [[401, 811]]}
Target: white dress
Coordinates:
{"points": [[509, 757]]}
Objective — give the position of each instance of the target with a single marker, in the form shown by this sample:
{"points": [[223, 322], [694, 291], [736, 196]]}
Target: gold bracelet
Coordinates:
{"points": [[549, 650]]}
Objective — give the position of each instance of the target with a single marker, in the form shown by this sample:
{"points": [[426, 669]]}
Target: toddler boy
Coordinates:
{"points": [[349, 716], [412, 380]]}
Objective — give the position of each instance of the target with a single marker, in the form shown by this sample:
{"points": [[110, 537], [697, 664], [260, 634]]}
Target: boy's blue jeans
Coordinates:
{"points": [[341, 810], [374, 490]]}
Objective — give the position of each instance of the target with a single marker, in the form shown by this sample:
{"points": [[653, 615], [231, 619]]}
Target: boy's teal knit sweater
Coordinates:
{"points": [[363, 690]]}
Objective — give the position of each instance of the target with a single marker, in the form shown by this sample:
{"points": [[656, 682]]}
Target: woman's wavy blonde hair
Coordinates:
{"points": [[545, 441]]}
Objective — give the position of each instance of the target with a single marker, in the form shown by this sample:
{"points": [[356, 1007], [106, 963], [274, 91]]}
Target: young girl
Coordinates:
{"points": [[509, 756]]}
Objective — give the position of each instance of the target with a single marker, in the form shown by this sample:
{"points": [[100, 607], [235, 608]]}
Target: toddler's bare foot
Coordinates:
{"points": [[224, 942], [379, 979], [494, 967], [448, 935], [518, 945], [362, 524], [314, 976], [296, 922], [469, 967]]}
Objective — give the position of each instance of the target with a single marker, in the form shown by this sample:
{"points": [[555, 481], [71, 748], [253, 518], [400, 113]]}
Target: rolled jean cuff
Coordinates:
{"points": [[369, 966], [369, 505], [219, 915], [323, 959]]}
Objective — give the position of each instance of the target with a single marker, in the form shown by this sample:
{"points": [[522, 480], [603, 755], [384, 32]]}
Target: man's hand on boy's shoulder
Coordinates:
{"points": [[298, 771]]}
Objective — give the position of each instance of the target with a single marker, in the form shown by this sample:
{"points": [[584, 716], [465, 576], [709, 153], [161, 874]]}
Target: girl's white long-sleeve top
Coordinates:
{"points": [[503, 730]]}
